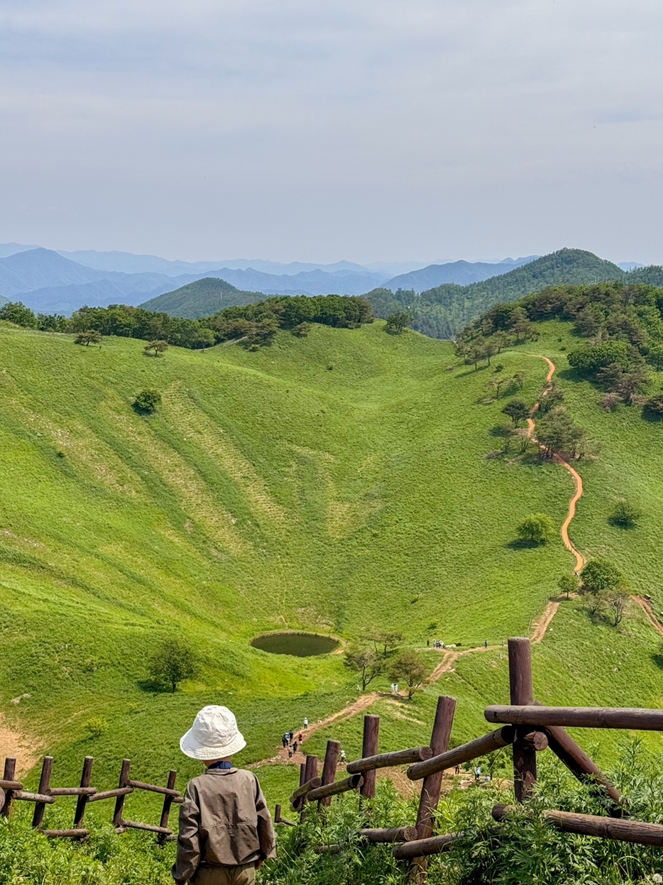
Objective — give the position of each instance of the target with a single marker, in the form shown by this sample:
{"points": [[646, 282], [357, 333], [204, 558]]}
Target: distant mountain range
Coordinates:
{"points": [[444, 310], [60, 282]]}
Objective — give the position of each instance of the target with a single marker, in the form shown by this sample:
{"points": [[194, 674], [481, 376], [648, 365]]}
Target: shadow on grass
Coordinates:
{"points": [[519, 544], [658, 660], [149, 685]]}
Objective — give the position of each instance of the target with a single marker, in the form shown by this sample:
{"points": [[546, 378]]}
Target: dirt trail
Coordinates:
{"points": [[450, 656], [14, 744], [646, 606], [577, 479]]}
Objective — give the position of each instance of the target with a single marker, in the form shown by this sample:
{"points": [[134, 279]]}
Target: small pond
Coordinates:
{"points": [[302, 645]]}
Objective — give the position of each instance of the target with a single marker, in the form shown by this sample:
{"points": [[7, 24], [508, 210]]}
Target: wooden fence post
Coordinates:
{"points": [[522, 693], [432, 785], [370, 748], [167, 803], [309, 770], [119, 802], [9, 775], [44, 784], [329, 768], [81, 804]]}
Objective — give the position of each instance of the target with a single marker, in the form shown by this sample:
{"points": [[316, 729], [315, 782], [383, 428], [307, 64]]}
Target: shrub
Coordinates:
{"points": [[155, 348], [600, 575], [147, 401], [653, 407], [301, 330], [591, 358], [624, 514], [173, 662], [96, 726], [90, 336], [536, 528]]}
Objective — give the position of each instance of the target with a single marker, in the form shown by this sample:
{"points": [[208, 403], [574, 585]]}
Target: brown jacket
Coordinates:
{"points": [[224, 821]]}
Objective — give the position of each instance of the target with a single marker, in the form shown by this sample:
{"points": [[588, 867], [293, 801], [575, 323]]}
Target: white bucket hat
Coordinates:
{"points": [[213, 735]]}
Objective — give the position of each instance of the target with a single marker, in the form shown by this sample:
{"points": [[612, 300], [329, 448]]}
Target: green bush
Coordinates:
{"points": [[600, 575], [96, 726], [536, 528], [147, 401], [624, 514]]}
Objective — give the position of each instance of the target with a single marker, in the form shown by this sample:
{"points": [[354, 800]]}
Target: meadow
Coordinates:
{"points": [[331, 483]]}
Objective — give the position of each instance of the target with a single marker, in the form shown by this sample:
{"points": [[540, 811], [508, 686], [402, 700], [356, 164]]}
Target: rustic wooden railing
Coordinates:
{"points": [[526, 726], [12, 791]]}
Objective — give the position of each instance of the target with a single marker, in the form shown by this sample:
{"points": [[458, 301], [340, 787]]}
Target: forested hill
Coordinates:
{"points": [[442, 312], [201, 298]]}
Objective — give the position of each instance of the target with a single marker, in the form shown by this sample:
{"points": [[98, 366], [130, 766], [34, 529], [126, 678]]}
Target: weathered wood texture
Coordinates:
{"points": [[593, 825], [353, 782], [329, 767], [522, 692], [466, 752], [579, 763], [370, 748], [432, 784], [386, 760], [305, 788], [577, 717], [44, 784], [279, 819], [390, 834], [425, 847]]}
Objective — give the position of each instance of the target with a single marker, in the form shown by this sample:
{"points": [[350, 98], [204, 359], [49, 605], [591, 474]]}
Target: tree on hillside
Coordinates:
{"points": [[301, 330], [558, 434], [535, 528], [16, 312], [172, 663], [384, 642], [624, 383], [501, 340], [600, 575], [147, 401], [517, 410], [653, 408], [398, 322], [364, 659], [569, 584], [616, 601], [156, 348], [624, 514], [90, 336], [409, 669], [549, 398]]}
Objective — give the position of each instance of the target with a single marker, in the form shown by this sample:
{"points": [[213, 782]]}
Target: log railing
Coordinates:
{"points": [[525, 725], [11, 791]]}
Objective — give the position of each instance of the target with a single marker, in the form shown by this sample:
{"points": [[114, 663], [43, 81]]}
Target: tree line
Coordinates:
{"points": [[254, 324]]}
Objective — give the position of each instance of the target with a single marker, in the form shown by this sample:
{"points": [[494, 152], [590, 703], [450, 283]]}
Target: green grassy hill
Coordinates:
{"points": [[201, 298], [328, 483]]}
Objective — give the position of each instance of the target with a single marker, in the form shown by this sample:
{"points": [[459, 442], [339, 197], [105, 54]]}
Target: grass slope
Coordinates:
{"points": [[202, 298], [328, 483]]}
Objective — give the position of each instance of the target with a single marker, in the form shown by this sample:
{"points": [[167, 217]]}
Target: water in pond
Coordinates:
{"points": [[303, 645]]}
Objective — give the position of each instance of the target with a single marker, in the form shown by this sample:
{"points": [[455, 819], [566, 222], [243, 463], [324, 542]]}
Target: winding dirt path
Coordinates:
{"points": [[646, 606], [577, 479], [451, 656]]}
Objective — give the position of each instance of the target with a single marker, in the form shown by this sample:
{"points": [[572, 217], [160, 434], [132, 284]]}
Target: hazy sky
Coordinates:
{"points": [[328, 129]]}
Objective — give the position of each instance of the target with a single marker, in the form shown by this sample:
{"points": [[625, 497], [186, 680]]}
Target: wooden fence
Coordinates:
{"points": [[525, 725], [12, 791]]}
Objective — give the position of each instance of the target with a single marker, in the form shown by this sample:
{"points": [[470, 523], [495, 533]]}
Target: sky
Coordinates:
{"points": [[380, 130]]}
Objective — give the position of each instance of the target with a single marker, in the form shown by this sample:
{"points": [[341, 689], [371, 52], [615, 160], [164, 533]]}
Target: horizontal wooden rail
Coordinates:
{"points": [[472, 750], [425, 847], [149, 828], [384, 760], [578, 717], [34, 797], [72, 791], [77, 833], [305, 788], [111, 794], [11, 785], [353, 782], [593, 825], [153, 788], [392, 834]]}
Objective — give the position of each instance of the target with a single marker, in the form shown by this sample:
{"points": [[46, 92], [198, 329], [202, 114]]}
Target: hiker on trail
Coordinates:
{"points": [[300, 738], [477, 774], [285, 740], [294, 747], [305, 721], [342, 757], [457, 770], [226, 831], [291, 735]]}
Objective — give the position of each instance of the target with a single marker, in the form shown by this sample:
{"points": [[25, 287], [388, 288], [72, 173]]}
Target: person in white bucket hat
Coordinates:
{"points": [[226, 830]]}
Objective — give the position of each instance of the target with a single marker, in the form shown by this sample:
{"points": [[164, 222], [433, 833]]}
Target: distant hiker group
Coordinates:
{"points": [[291, 741]]}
